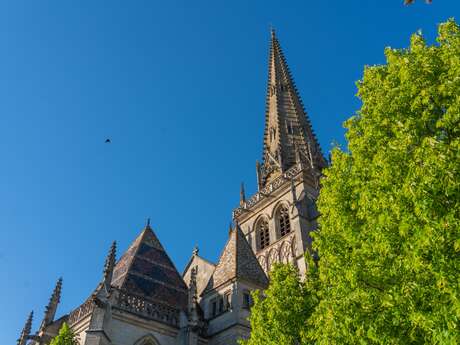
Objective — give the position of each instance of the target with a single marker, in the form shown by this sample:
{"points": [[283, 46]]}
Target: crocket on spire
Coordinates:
{"points": [[288, 134]]}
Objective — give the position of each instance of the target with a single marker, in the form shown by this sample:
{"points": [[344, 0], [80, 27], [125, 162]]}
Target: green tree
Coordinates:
{"points": [[279, 314], [389, 239], [65, 337]]}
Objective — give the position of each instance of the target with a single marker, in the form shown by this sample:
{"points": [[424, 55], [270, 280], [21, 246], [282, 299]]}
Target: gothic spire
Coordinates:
{"points": [[287, 127], [26, 330], [51, 308], [110, 265]]}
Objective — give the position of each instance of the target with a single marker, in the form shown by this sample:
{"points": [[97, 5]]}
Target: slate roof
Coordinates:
{"points": [[237, 261], [146, 270]]}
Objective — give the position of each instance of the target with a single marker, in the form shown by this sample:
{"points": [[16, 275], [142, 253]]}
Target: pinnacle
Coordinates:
{"points": [[242, 194], [56, 296], [26, 330], [110, 262], [51, 308], [28, 325], [195, 251]]}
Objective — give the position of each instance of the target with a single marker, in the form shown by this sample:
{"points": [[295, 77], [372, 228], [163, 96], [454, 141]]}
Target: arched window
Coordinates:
{"points": [[284, 223], [263, 234]]}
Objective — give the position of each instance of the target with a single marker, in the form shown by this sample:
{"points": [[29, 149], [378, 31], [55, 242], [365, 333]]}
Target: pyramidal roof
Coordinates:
{"points": [[237, 261], [287, 128], [146, 270]]}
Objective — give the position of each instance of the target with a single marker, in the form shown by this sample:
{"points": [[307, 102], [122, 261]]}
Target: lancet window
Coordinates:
{"points": [[264, 234], [283, 221]]}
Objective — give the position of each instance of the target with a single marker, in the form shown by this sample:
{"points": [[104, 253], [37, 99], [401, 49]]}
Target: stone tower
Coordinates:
{"points": [[278, 218], [224, 289]]}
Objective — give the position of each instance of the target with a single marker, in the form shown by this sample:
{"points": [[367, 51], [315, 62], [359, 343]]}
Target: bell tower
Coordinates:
{"points": [[279, 217]]}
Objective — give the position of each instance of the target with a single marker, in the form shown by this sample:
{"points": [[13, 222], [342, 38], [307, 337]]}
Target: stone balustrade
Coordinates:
{"points": [[267, 190], [81, 312], [149, 309], [133, 304]]}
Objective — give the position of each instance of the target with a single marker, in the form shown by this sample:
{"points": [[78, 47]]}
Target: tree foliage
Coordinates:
{"points": [[65, 337], [389, 241], [279, 314], [389, 237]]}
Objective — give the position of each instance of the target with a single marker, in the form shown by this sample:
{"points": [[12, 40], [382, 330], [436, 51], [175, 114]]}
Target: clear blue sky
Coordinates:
{"points": [[179, 86]]}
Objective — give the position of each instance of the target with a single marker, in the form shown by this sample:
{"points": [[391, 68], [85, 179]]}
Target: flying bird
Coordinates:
{"points": [[108, 141]]}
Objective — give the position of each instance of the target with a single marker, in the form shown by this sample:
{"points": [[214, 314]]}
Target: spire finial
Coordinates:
{"points": [[110, 264], [272, 31], [242, 194], [195, 250], [26, 330], [148, 223]]}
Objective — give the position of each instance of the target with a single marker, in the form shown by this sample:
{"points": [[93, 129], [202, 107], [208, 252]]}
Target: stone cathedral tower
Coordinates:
{"points": [[142, 299], [278, 218]]}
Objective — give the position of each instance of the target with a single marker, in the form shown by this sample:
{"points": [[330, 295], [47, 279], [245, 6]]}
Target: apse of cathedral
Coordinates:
{"points": [[143, 300]]}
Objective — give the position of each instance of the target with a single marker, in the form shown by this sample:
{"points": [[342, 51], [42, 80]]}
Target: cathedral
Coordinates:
{"points": [[143, 300]]}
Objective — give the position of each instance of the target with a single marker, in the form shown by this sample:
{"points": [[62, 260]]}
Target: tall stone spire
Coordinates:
{"points": [[288, 135], [26, 330], [51, 308]]}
